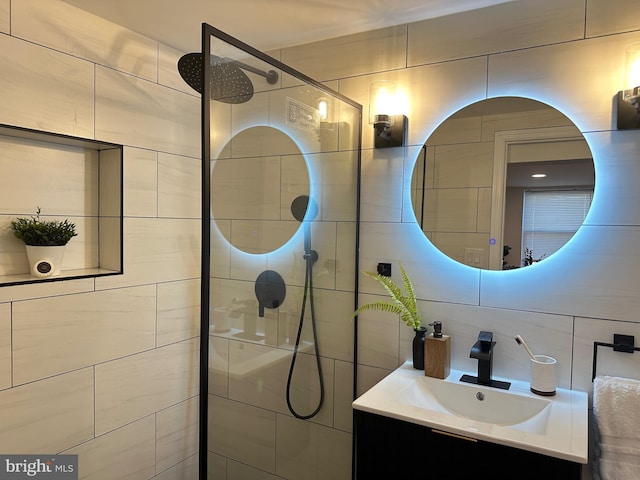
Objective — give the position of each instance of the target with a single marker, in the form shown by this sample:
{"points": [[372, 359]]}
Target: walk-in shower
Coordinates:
{"points": [[280, 195]]}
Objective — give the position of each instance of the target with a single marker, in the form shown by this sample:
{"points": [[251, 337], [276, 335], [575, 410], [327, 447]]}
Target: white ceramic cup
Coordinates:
{"points": [[543, 375]]}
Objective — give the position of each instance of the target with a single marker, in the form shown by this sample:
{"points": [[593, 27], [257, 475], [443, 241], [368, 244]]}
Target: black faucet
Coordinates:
{"points": [[482, 350]]}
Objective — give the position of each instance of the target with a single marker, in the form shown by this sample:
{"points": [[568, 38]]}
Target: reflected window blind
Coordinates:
{"points": [[551, 217]]}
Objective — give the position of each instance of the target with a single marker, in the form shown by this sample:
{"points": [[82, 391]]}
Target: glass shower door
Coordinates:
{"points": [[280, 200]]}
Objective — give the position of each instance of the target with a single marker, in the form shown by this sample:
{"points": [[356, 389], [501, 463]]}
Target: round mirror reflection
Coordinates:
{"points": [[503, 183], [254, 182]]}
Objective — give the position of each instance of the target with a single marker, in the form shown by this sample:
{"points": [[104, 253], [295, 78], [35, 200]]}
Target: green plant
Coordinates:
{"points": [[403, 304], [36, 232]]}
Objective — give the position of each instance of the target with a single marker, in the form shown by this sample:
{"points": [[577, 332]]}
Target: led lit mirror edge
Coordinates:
{"points": [[573, 132]]}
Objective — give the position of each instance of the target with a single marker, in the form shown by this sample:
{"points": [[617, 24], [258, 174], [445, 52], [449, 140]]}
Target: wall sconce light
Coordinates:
{"points": [[323, 109], [389, 125], [629, 99]]}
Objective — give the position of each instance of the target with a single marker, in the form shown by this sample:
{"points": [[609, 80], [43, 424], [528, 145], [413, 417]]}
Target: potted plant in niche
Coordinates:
{"points": [[45, 242], [404, 305]]}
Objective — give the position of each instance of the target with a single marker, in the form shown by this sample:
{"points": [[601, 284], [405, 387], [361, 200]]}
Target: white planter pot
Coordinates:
{"points": [[45, 261]]}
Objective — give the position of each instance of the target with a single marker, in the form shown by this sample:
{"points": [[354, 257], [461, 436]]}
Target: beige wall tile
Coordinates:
{"points": [[140, 183], [58, 334], [178, 311], [157, 250], [216, 466], [5, 345], [71, 30], [138, 113], [305, 446], [168, 69], [219, 366], [530, 72], [177, 434], [343, 396], [605, 17], [30, 427], [138, 385], [239, 470], [615, 158], [243, 433], [36, 86], [125, 453], [598, 284], [361, 53], [508, 26], [5, 18], [45, 289], [182, 471], [179, 186]]}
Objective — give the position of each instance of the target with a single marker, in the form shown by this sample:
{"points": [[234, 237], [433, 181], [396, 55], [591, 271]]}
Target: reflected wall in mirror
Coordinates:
{"points": [[254, 181], [474, 193]]}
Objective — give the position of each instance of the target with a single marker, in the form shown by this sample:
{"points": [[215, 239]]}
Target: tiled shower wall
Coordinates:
{"points": [[566, 53], [107, 368]]}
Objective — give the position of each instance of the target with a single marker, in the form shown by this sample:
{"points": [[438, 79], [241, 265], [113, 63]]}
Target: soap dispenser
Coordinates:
{"points": [[437, 353]]}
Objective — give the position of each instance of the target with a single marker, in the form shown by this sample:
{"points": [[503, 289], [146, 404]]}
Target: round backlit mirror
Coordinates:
{"points": [[503, 183], [254, 182]]}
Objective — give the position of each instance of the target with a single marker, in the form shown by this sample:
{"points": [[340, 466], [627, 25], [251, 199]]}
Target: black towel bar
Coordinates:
{"points": [[621, 343]]}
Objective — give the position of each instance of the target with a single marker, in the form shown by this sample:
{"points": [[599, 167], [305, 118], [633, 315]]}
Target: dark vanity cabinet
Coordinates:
{"points": [[386, 448]]}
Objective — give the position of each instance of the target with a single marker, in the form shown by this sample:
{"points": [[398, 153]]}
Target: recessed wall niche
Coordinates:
{"points": [[66, 177]]}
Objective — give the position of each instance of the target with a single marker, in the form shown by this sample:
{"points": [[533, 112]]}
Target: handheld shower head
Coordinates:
{"points": [[229, 83]]}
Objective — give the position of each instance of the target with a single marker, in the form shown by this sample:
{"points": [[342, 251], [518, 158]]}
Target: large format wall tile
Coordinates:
{"points": [[71, 30], [177, 433], [5, 345], [179, 186], [5, 17], [605, 17], [138, 113], [374, 51], [138, 385], [535, 73], [36, 85], [157, 250], [178, 311], [592, 276], [45, 289], [184, 470], [307, 447], [47, 416], [127, 453], [140, 183], [58, 334], [243, 433], [508, 26]]}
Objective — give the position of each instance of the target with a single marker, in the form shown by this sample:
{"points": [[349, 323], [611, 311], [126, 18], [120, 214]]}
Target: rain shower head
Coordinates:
{"points": [[229, 83]]}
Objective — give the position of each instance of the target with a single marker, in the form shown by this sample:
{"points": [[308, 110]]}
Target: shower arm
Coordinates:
{"points": [[271, 76]]}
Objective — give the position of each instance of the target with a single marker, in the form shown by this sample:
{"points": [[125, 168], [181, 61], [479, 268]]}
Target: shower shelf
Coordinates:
{"points": [[66, 176]]}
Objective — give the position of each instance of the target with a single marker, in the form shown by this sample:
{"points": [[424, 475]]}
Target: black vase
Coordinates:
{"points": [[418, 347]]}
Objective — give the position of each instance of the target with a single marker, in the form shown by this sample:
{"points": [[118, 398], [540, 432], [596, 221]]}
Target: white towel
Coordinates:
{"points": [[616, 406]]}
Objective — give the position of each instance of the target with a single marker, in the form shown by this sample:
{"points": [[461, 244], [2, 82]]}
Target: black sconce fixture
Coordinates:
{"points": [[628, 100], [389, 127], [389, 130]]}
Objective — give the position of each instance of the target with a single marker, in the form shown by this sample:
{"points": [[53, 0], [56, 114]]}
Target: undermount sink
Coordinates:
{"points": [[554, 426], [477, 402]]}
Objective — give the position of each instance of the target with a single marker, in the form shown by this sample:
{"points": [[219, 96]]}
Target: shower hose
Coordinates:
{"points": [[310, 256]]}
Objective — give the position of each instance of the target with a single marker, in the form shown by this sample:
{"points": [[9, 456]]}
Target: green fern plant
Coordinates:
{"points": [[35, 232], [403, 302]]}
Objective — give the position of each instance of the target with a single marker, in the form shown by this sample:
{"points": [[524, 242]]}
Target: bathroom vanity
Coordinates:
{"points": [[409, 424]]}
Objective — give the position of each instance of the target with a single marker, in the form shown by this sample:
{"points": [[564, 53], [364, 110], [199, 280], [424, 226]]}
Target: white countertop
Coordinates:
{"points": [[559, 430]]}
